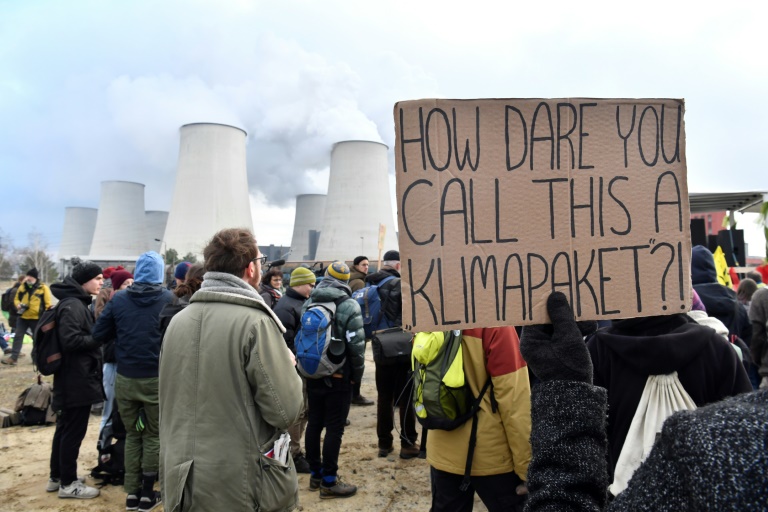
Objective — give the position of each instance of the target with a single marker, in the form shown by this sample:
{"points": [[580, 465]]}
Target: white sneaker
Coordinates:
{"points": [[79, 490], [55, 483]]}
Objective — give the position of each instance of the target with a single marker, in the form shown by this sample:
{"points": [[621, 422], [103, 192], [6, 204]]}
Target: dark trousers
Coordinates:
{"points": [[71, 425], [498, 492], [393, 387], [22, 324], [328, 401]]}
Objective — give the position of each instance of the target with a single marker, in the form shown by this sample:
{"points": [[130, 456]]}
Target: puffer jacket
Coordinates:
{"points": [[37, 297], [78, 381], [348, 322], [227, 385], [503, 437]]}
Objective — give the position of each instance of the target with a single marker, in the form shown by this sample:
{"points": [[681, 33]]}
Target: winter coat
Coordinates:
{"points": [[132, 318], [711, 459], [356, 280], [502, 436], [348, 323], [270, 295], [721, 302], [625, 354], [108, 348], [227, 383], [390, 294], [79, 379], [758, 314], [37, 297], [288, 310], [170, 310]]}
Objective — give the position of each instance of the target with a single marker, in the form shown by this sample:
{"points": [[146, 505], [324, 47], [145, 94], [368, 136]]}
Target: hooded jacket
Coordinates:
{"points": [[390, 294], [625, 354], [348, 322], [721, 302], [288, 310], [78, 381], [356, 280]]}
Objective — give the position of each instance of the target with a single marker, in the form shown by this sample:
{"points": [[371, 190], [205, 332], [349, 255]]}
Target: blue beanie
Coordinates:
{"points": [[181, 270], [149, 268]]}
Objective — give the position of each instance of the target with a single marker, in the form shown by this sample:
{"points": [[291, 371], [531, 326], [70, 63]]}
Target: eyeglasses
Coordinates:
{"points": [[261, 259]]}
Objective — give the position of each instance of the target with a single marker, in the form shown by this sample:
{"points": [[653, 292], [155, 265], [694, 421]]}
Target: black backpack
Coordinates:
{"points": [[7, 300], [46, 349], [111, 464]]}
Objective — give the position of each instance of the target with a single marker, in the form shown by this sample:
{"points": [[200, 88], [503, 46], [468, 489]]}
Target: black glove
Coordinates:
{"points": [[557, 351]]}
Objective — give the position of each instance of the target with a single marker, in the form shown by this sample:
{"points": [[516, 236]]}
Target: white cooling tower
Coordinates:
{"points": [[358, 201], [76, 238], [156, 221], [310, 209], [211, 190], [120, 232]]}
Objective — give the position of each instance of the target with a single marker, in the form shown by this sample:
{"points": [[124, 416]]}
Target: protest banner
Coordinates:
{"points": [[502, 201]]}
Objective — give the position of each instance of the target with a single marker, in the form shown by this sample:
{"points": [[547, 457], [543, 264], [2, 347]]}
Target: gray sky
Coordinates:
{"points": [[93, 90]]}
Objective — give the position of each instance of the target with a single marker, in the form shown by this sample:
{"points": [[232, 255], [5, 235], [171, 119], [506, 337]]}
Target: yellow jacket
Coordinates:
{"points": [[503, 437], [37, 297]]}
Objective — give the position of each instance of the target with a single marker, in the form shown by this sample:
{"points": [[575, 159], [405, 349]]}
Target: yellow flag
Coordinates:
{"points": [[721, 266]]}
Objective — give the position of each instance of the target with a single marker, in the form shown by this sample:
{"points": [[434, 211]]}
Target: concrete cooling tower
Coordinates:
{"points": [[358, 201], [120, 232], [211, 190], [156, 221], [310, 209], [76, 238]]}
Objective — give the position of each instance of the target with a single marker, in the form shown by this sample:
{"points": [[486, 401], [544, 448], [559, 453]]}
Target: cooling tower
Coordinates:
{"points": [[211, 190], [310, 209], [156, 221], [358, 201], [76, 238], [120, 226]]}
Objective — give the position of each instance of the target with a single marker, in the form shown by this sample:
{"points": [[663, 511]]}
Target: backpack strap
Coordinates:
{"points": [[473, 434]]}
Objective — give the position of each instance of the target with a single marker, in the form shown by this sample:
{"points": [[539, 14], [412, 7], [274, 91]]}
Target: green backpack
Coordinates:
{"points": [[442, 397]]}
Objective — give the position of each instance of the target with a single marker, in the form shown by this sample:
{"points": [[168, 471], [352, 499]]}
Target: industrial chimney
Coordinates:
{"points": [[358, 201], [76, 238], [310, 209], [120, 232], [156, 221], [211, 191]]}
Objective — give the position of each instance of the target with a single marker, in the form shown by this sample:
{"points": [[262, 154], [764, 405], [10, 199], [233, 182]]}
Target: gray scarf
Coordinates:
{"points": [[228, 283]]}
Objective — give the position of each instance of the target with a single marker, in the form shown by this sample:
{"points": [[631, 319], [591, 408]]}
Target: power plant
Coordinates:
{"points": [[156, 222], [120, 232], [310, 209], [358, 201], [211, 191], [77, 235]]}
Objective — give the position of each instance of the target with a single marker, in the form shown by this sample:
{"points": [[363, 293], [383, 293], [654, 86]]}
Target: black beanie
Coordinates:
{"points": [[32, 272], [84, 271], [391, 256], [359, 259]]}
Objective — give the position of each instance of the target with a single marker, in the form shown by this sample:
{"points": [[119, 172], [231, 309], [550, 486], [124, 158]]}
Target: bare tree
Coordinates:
{"points": [[36, 255], [6, 256]]}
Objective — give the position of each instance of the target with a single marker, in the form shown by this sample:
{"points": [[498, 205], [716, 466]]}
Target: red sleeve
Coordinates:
{"points": [[502, 349]]}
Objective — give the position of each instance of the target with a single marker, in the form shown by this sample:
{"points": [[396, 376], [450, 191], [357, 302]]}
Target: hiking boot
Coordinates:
{"points": [[79, 490], [147, 503], [9, 360], [361, 400], [383, 452], [55, 483], [301, 464], [314, 483], [338, 490], [409, 452], [8, 350], [132, 501]]}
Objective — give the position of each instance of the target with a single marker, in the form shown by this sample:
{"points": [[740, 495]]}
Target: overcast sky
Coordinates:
{"points": [[94, 90]]}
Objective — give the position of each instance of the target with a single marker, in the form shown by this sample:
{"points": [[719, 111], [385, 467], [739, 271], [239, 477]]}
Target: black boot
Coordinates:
{"points": [[150, 498]]}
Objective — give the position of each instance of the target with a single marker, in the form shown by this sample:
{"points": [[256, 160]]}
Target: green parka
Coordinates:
{"points": [[227, 385]]}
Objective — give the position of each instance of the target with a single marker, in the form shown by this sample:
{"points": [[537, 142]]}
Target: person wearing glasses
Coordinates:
{"points": [[288, 310], [271, 283]]}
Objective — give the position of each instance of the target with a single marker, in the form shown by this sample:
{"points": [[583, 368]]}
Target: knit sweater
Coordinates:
{"points": [[711, 459]]}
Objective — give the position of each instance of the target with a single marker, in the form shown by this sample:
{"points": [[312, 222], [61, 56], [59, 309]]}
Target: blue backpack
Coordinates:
{"points": [[374, 318], [318, 352]]}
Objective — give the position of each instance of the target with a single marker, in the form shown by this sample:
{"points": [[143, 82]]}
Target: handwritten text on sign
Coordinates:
{"points": [[501, 202]]}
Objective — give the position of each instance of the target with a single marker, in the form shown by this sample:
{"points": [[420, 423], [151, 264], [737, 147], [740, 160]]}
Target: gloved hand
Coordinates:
{"points": [[558, 351]]}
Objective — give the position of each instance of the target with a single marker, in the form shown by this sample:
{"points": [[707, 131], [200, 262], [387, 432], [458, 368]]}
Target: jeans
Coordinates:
{"points": [[71, 425], [329, 400], [108, 380], [22, 324], [394, 386], [498, 492], [142, 449]]}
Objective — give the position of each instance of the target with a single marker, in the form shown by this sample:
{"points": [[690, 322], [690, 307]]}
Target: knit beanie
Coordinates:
{"points": [[119, 277], [149, 268], [357, 260], [391, 256], [32, 272], [181, 270], [338, 270], [302, 275], [84, 271]]}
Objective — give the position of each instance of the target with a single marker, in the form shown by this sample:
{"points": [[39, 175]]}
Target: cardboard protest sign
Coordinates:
{"points": [[501, 202]]}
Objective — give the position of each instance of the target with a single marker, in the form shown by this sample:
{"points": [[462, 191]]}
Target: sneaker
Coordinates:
{"points": [[55, 483], [147, 503], [301, 464], [409, 452], [361, 400], [383, 452], [338, 490], [314, 483], [10, 361], [132, 501], [79, 490]]}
